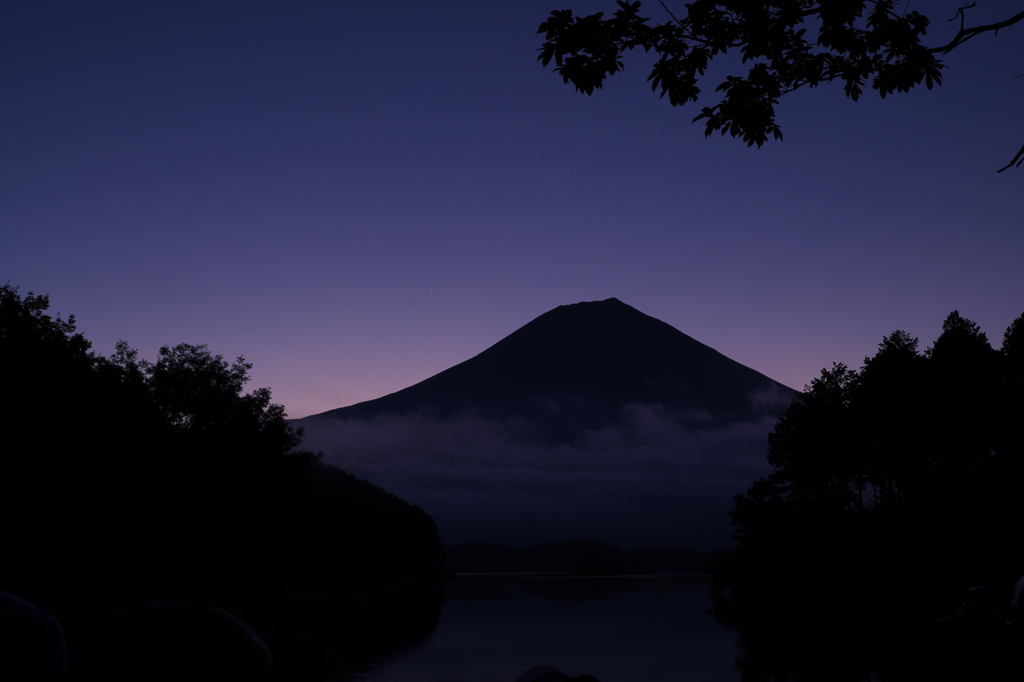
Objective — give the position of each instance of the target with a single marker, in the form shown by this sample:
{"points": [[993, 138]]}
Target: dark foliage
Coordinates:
{"points": [[361, 529], [782, 46], [894, 490], [126, 478]]}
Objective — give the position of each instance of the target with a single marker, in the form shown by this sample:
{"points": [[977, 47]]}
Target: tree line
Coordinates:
{"points": [[909, 429], [894, 487], [125, 478]]}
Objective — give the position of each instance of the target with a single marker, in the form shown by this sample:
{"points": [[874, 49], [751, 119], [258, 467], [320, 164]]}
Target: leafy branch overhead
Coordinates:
{"points": [[784, 45]]}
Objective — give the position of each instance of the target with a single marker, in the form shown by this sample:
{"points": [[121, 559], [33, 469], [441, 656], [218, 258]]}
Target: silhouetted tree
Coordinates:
{"points": [[61, 455], [233, 474], [816, 452], [1013, 341], [963, 394], [813, 450], [125, 478], [935, 440], [787, 45], [814, 447], [907, 424], [892, 484], [889, 407], [1011, 445]]}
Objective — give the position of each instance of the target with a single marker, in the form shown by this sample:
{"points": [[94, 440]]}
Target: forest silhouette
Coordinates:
{"points": [[895, 490], [128, 480]]}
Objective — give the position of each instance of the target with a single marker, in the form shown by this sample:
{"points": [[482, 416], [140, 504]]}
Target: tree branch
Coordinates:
{"points": [[670, 14], [960, 13], [1018, 160], [966, 34]]}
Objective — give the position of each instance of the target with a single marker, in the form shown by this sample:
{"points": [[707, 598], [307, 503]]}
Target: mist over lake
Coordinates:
{"points": [[592, 421]]}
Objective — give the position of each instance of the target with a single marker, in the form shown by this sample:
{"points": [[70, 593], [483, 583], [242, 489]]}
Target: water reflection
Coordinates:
{"points": [[345, 632], [616, 629], [484, 628]]}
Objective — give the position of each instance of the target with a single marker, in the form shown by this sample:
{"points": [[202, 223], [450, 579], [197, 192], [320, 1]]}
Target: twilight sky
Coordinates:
{"points": [[356, 196]]}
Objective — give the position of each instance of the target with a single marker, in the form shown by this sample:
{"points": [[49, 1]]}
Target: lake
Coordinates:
{"points": [[618, 629]]}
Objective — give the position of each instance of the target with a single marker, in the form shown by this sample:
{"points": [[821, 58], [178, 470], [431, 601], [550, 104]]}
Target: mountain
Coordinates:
{"points": [[574, 367], [593, 420]]}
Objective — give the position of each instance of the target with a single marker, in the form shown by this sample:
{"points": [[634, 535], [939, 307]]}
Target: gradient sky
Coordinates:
{"points": [[356, 196]]}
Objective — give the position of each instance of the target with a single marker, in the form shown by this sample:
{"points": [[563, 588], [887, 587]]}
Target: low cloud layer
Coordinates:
{"points": [[650, 477]]}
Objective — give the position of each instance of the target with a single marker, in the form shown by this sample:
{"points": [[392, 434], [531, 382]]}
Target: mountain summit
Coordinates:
{"points": [[574, 367], [594, 420]]}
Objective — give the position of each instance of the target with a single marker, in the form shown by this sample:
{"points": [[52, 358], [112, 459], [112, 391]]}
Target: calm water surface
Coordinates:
{"points": [[492, 628]]}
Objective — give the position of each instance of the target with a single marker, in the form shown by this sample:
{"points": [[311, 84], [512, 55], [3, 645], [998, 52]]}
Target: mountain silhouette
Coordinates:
{"points": [[574, 367], [593, 421]]}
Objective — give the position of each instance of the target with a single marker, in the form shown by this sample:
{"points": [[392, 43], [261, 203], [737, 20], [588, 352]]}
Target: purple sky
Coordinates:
{"points": [[356, 196]]}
